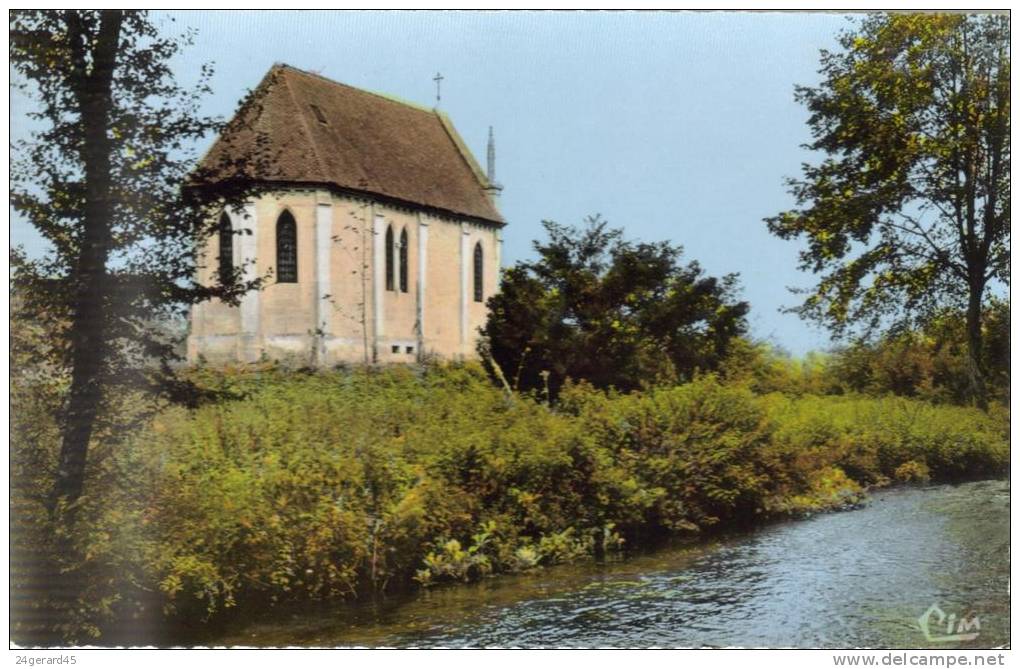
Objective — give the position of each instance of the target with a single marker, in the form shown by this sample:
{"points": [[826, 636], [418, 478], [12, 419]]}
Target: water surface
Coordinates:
{"points": [[859, 578]]}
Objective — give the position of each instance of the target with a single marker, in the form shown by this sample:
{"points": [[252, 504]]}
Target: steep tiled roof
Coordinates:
{"points": [[308, 129]]}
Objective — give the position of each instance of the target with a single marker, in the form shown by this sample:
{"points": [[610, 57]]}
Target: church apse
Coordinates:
{"points": [[358, 269]]}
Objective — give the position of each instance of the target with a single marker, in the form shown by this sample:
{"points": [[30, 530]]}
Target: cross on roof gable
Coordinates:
{"points": [[311, 130]]}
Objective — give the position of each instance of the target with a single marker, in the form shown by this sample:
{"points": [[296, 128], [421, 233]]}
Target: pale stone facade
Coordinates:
{"points": [[340, 308]]}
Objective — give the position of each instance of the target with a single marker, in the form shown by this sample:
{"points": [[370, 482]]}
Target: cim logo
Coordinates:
{"points": [[955, 630]]}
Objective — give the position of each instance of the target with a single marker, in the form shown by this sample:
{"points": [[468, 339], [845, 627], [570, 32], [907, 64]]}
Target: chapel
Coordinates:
{"points": [[377, 229]]}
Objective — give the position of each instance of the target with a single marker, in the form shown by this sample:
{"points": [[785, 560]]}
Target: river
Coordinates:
{"points": [[861, 578]]}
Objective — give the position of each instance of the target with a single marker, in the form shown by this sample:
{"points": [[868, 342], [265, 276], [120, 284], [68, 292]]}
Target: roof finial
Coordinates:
{"points": [[438, 79], [492, 188], [491, 156]]}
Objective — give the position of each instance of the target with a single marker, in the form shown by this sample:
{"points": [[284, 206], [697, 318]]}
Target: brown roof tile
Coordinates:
{"points": [[367, 143]]}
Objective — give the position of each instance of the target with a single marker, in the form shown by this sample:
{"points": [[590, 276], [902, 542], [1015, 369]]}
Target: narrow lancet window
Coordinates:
{"points": [[479, 266], [226, 239], [389, 257], [403, 261], [286, 249]]}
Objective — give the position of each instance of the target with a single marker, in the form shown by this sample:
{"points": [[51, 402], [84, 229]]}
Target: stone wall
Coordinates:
{"points": [[339, 310]]}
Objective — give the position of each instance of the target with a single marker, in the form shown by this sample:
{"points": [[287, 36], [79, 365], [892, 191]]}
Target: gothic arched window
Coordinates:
{"points": [[479, 266], [286, 248], [226, 239], [403, 260], [389, 257]]}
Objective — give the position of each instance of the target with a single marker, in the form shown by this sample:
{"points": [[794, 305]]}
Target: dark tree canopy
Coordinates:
{"points": [[101, 180], [616, 313], [908, 214]]}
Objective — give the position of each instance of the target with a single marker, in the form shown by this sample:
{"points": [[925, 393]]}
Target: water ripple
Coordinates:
{"points": [[860, 578]]}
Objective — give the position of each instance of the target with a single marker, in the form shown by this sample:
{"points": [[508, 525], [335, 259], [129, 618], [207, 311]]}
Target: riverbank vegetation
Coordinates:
{"points": [[314, 485], [620, 401]]}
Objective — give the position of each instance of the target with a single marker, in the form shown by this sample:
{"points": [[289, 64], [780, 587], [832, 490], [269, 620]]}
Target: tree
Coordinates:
{"points": [[612, 312], [930, 363], [909, 212], [101, 179]]}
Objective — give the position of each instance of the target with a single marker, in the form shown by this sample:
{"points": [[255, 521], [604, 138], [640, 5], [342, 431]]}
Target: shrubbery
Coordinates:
{"points": [[929, 363], [618, 313], [337, 485]]}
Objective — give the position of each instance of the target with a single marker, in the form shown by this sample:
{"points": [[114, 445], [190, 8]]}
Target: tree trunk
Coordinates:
{"points": [[93, 94], [975, 368]]}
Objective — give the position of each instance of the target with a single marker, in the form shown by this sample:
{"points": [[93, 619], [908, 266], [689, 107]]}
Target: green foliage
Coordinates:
{"points": [[107, 178], [766, 369], [827, 487], [612, 312], [930, 363], [908, 213], [452, 563], [340, 484], [913, 470], [693, 455], [869, 438], [110, 192]]}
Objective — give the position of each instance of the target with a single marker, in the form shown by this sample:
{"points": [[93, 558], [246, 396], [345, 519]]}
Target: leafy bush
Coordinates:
{"points": [[912, 470], [614, 312], [690, 456], [930, 363], [869, 438], [333, 485]]}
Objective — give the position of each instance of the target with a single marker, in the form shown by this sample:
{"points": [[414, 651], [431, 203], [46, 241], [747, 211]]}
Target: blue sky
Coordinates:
{"points": [[677, 126]]}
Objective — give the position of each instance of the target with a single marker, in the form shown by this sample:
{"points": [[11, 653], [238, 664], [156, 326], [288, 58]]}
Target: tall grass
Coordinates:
{"points": [[337, 485]]}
